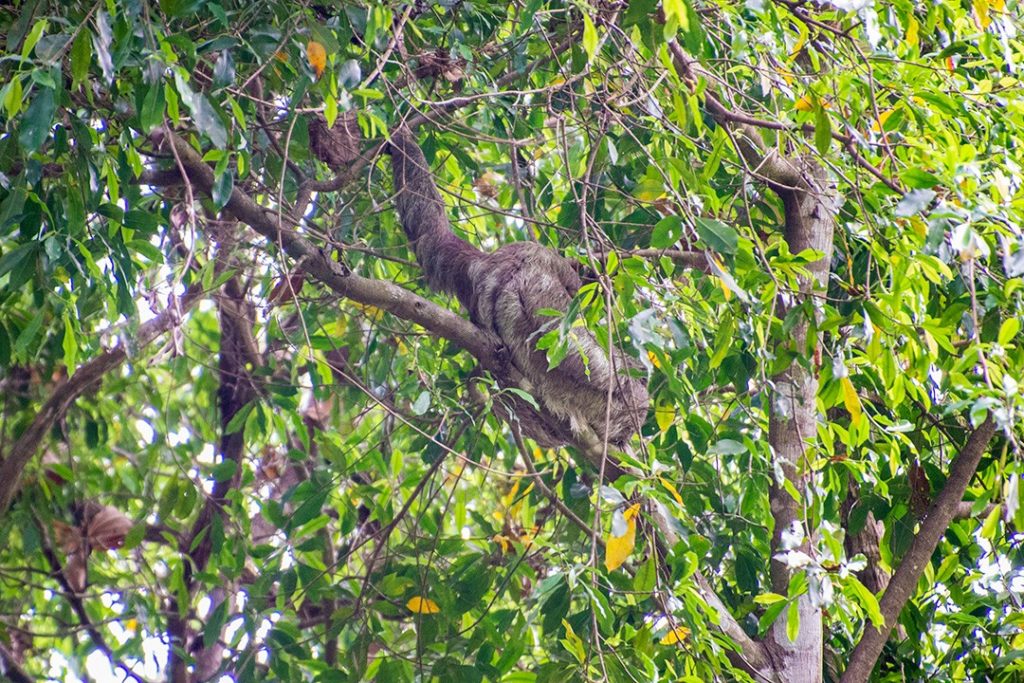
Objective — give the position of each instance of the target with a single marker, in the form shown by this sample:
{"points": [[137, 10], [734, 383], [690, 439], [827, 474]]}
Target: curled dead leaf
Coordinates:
{"points": [[106, 528]]}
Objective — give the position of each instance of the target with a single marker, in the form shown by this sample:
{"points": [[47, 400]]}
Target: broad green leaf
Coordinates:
{"points": [[1009, 331], [717, 235], [81, 56], [36, 122], [223, 184], [667, 232], [590, 39]]}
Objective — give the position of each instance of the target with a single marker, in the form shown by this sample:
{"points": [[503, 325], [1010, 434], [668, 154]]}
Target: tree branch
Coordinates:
{"points": [[68, 391], [904, 580], [10, 669], [384, 295]]}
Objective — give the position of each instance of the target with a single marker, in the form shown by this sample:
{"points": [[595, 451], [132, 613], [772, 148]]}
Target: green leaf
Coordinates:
{"points": [[28, 335], [168, 499], [35, 124], [866, 599], [822, 130], [589, 37], [33, 37], [667, 232], [238, 419], [793, 621], [723, 341], [14, 257], [769, 598], [717, 235], [12, 95], [134, 536], [152, 113], [646, 577], [223, 471], [223, 184], [917, 178], [991, 525], [770, 615], [69, 345], [208, 121], [81, 56], [215, 623], [1009, 330]]}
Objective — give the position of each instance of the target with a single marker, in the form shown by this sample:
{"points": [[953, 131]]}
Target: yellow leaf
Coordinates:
{"points": [[503, 541], [981, 11], [805, 103], [317, 56], [882, 118], [850, 399], [912, 32], [618, 548], [676, 635], [509, 497], [372, 312], [919, 227], [421, 605], [665, 415], [671, 489], [654, 359]]}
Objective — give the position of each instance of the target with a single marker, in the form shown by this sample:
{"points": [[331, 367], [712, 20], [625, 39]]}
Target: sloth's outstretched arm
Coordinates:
{"points": [[444, 257]]}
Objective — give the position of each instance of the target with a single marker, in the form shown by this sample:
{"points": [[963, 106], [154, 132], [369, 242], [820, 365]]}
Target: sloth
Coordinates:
{"points": [[504, 292]]}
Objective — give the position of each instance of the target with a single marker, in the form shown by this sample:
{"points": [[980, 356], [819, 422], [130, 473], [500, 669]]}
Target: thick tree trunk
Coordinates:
{"points": [[810, 217]]}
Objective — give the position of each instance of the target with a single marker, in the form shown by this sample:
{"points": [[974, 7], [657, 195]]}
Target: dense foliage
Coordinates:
{"points": [[223, 463]]}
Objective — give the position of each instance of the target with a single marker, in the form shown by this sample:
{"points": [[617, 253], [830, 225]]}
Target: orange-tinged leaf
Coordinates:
{"points": [[503, 541], [882, 118], [676, 635], [671, 489], [420, 605], [805, 103], [618, 548], [850, 399], [371, 311], [317, 57]]}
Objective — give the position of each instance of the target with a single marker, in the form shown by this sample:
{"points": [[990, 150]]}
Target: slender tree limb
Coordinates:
{"points": [[10, 669], [78, 607], [68, 391], [904, 581], [691, 260], [752, 656], [384, 295]]}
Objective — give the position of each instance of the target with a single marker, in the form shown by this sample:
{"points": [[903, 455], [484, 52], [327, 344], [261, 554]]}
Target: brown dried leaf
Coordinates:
{"points": [[107, 528]]}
